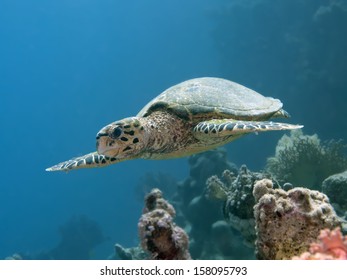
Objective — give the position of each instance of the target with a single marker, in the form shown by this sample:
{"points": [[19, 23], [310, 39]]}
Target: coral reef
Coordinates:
{"points": [[288, 222], [331, 245], [225, 243], [209, 236], [236, 190], [280, 222], [195, 212], [159, 235], [200, 215], [134, 253], [335, 187], [303, 160], [200, 170], [234, 214]]}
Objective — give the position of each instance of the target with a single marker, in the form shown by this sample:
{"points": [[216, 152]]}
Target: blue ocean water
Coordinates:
{"points": [[69, 67]]}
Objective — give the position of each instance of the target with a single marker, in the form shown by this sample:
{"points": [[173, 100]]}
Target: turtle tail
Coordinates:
{"points": [[281, 114]]}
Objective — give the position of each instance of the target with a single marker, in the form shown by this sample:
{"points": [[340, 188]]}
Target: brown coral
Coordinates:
{"points": [[236, 191], [288, 222], [159, 235], [331, 245]]}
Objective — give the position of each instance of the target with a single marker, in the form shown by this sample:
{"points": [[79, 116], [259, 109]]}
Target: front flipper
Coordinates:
{"points": [[229, 127], [86, 161]]}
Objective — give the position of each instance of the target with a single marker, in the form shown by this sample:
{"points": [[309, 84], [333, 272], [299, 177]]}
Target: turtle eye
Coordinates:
{"points": [[117, 131]]}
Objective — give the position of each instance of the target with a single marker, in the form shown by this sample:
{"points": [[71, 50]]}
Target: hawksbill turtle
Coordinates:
{"points": [[188, 118]]}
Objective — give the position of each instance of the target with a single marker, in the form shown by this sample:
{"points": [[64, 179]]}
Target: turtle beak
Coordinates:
{"points": [[101, 140], [101, 143]]}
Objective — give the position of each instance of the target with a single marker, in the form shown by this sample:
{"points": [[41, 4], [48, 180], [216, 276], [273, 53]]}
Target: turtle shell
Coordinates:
{"points": [[208, 98]]}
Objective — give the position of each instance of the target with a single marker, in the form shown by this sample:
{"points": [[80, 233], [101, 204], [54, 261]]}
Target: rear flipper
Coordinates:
{"points": [[86, 161], [229, 127]]}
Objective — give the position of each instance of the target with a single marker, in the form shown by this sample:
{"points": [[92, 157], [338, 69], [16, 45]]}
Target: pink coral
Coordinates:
{"points": [[331, 245]]}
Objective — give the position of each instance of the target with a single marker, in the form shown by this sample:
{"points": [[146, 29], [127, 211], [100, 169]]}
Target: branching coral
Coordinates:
{"points": [[200, 170], [236, 192], [331, 245], [195, 212], [158, 233], [287, 222], [303, 160]]}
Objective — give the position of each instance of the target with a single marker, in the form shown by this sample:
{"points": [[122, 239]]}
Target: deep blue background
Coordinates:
{"points": [[69, 67]]}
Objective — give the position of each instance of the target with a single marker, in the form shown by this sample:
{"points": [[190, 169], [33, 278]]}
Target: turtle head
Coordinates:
{"points": [[121, 139]]}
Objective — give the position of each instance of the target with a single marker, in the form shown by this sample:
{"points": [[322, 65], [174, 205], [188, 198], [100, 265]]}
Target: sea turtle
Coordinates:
{"points": [[188, 118]]}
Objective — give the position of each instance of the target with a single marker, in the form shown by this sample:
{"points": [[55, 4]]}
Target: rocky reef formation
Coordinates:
{"points": [[225, 243], [287, 222], [331, 245], [279, 223], [196, 213], [134, 253], [159, 235], [303, 160], [220, 212], [234, 213], [236, 193], [200, 170], [335, 187], [210, 236]]}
